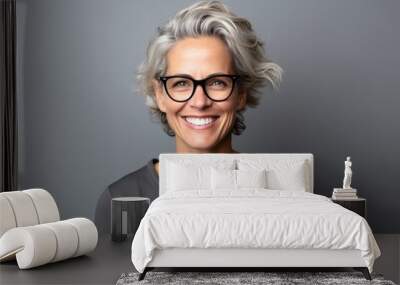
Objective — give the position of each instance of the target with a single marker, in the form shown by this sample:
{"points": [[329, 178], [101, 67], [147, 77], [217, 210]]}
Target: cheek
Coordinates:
{"points": [[172, 109], [229, 107], [227, 118]]}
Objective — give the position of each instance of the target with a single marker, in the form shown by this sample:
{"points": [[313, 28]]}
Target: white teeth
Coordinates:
{"points": [[199, 121]]}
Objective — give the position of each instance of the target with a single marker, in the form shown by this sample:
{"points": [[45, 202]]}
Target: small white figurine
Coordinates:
{"points": [[347, 174]]}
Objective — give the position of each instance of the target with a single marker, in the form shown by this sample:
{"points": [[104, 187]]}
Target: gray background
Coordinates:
{"points": [[82, 127]]}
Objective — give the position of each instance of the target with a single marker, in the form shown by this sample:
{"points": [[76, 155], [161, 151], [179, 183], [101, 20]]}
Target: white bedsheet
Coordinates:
{"points": [[251, 218]]}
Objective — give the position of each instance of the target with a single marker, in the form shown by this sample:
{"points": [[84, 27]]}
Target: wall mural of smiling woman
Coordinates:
{"points": [[202, 70]]}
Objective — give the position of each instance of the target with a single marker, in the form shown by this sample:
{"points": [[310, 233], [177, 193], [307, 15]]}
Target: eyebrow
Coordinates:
{"points": [[212, 74]]}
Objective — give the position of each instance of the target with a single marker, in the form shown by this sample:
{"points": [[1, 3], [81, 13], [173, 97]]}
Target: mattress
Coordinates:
{"points": [[250, 218]]}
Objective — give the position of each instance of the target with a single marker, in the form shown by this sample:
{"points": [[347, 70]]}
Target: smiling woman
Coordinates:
{"points": [[199, 43], [201, 71], [202, 122]]}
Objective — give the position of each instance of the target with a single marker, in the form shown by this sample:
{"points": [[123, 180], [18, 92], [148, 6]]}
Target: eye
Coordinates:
{"points": [[180, 83], [218, 83]]}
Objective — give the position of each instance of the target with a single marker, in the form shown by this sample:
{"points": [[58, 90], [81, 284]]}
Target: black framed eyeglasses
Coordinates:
{"points": [[181, 88]]}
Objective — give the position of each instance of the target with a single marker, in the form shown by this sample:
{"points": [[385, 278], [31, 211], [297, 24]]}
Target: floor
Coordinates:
{"points": [[388, 263], [110, 260]]}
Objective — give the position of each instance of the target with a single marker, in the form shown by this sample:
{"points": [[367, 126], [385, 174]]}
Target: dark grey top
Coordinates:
{"points": [[142, 182]]}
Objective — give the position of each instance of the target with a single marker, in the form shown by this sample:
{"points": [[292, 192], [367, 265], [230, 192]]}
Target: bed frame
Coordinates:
{"points": [[248, 259], [251, 258]]}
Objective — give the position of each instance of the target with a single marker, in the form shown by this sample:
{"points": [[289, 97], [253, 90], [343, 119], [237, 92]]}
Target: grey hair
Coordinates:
{"points": [[211, 18]]}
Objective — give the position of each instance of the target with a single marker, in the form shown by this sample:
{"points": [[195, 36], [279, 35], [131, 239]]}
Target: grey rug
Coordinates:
{"points": [[229, 278]]}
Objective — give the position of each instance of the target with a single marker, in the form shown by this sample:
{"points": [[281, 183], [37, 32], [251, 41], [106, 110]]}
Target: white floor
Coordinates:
{"points": [[388, 263]]}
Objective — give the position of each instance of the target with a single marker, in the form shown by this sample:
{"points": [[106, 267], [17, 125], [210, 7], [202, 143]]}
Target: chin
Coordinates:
{"points": [[201, 146]]}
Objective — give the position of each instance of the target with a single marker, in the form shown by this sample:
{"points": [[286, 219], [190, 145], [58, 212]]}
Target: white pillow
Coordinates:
{"points": [[223, 179], [182, 178], [251, 178], [282, 174], [226, 179], [189, 175]]}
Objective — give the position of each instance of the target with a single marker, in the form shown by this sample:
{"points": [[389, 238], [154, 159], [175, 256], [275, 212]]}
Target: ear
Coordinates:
{"points": [[158, 91], [242, 101]]}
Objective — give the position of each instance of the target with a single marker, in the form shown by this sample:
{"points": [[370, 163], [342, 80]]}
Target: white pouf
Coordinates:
{"points": [[31, 231]]}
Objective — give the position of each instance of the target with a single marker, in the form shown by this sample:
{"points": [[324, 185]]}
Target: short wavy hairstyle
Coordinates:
{"points": [[210, 18]]}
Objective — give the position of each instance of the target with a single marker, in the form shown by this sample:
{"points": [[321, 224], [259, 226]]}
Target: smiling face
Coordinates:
{"points": [[200, 124]]}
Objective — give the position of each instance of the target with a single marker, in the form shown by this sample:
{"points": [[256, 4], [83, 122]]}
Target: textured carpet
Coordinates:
{"points": [[229, 278]]}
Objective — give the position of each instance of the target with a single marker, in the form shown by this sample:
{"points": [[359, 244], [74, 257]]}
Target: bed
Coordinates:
{"points": [[244, 211]]}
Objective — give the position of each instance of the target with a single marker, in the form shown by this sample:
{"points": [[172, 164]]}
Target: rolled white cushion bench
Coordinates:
{"points": [[31, 232]]}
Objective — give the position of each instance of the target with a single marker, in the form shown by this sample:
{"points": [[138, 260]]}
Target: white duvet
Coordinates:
{"points": [[251, 218]]}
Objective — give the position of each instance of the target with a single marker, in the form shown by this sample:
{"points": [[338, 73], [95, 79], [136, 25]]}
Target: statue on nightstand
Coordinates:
{"points": [[346, 192], [347, 174]]}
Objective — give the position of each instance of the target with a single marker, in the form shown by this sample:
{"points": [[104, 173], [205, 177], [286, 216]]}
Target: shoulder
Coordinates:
{"points": [[144, 173]]}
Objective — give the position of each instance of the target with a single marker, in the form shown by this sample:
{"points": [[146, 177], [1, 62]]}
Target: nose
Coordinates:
{"points": [[199, 99]]}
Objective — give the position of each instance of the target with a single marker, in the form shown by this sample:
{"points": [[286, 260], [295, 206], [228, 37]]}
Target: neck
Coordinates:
{"points": [[225, 146]]}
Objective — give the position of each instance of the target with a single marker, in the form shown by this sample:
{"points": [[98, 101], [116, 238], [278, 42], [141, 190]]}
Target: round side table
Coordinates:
{"points": [[126, 214]]}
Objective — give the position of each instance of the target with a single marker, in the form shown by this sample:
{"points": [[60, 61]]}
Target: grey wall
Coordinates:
{"points": [[82, 127]]}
